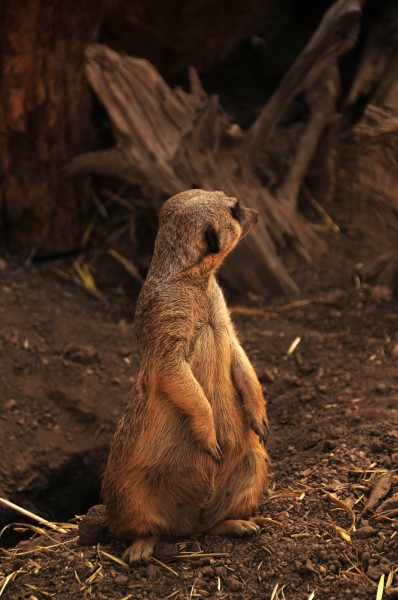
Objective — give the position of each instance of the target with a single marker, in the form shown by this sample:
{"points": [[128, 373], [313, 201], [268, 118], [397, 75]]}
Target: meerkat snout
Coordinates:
{"points": [[250, 218]]}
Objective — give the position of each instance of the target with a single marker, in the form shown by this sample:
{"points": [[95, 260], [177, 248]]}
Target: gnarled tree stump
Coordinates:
{"points": [[170, 140]]}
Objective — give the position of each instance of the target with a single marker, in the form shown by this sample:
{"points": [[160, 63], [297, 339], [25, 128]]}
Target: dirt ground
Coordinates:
{"points": [[331, 508]]}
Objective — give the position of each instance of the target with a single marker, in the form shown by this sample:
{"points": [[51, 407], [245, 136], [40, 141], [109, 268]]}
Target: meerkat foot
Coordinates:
{"points": [[235, 527], [140, 550]]}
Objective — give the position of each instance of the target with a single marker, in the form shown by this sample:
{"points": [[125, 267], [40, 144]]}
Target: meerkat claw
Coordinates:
{"points": [[265, 434], [216, 454], [262, 432]]}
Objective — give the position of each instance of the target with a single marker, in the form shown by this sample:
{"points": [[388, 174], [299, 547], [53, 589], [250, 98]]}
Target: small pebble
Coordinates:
{"points": [[365, 556], [121, 580], [382, 388], [220, 572], [376, 447], [385, 568], [10, 404], [374, 572], [92, 526], [334, 297], [151, 571], [328, 446], [380, 293], [364, 532], [207, 571], [165, 550], [233, 584]]}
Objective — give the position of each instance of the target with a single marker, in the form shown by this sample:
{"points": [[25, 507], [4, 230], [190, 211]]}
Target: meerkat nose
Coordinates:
{"points": [[255, 215]]}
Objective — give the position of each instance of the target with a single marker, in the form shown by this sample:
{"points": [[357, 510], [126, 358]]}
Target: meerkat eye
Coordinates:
{"points": [[211, 237], [236, 212]]}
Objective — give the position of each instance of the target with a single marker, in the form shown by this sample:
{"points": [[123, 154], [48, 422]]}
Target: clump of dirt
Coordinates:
{"points": [[328, 364]]}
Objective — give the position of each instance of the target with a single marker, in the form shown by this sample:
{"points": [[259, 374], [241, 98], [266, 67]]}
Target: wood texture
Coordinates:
{"points": [[336, 34], [378, 65], [170, 140], [44, 104]]}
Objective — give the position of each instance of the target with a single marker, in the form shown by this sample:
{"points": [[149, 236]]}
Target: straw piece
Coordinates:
{"points": [[254, 312], [274, 592], [265, 520], [293, 345], [127, 264], [342, 505], [172, 594], [31, 515], [116, 559], [7, 580], [85, 275], [380, 588], [164, 566], [294, 304]]}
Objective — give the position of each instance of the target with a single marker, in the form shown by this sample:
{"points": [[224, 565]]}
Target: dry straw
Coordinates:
{"points": [[28, 513]]}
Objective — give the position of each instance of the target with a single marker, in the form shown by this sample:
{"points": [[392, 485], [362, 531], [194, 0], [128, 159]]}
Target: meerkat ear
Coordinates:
{"points": [[211, 237]]}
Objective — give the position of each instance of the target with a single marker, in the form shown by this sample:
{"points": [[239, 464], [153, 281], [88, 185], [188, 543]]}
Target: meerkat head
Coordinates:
{"points": [[197, 227]]}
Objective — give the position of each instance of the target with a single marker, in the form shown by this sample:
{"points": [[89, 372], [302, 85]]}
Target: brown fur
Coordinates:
{"points": [[187, 456]]}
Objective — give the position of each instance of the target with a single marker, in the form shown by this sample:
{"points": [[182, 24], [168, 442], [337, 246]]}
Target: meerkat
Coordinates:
{"points": [[188, 455]]}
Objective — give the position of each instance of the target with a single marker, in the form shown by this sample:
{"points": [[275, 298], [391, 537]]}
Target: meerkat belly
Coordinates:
{"points": [[210, 361]]}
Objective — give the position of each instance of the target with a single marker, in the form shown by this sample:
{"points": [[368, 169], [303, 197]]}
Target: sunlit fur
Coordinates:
{"points": [[185, 457]]}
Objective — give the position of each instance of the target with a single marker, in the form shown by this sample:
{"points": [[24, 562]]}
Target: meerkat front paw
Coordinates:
{"points": [[260, 427], [207, 438]]}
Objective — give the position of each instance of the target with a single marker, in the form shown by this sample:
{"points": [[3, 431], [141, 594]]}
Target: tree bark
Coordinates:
{"points": [[378, 66], [336, 34], [383, 271], [368, 149], [369, 155], [44, 104]]}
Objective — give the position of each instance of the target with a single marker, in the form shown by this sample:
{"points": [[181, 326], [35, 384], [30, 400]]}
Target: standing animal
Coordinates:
{"points": [[188, 455]]}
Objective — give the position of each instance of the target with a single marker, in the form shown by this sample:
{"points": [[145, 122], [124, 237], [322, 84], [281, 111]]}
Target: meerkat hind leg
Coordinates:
{"points": [[235, 527], [140, 550]]}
